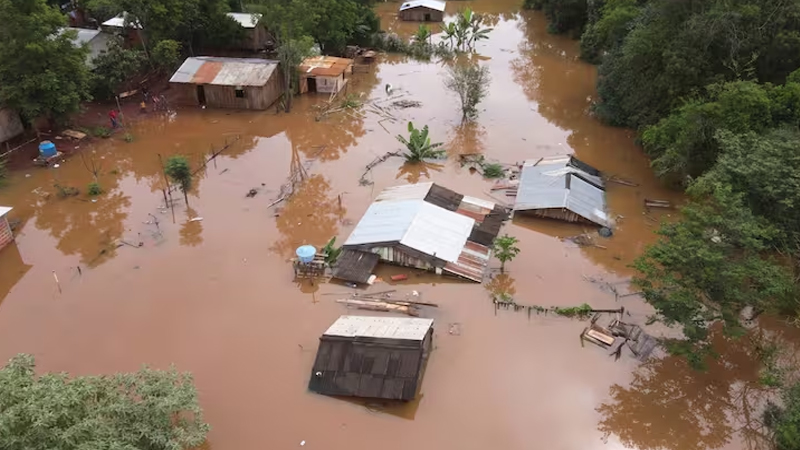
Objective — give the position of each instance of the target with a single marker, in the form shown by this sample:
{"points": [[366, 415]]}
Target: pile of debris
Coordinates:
{"points": [[385, 301], [615, 334]]}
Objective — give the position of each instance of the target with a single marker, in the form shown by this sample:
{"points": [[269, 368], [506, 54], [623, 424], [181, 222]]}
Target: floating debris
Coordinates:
{"points": [[648, 203], [406, 104]]}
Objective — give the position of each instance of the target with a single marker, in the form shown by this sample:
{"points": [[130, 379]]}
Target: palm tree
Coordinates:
{"points": [[419, 145], [422, 35]]}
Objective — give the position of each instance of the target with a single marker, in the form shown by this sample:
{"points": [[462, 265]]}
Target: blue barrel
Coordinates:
{"points": [[47, 149], [306, 253]]}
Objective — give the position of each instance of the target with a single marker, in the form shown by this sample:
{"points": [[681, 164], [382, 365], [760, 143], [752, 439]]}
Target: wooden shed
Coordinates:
{"points": [[256, 36], [326, 74], [6, 236], [243, 83], [422, 11], [372, 357]]}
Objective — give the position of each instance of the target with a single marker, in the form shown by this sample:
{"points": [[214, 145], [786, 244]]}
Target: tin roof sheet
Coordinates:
{"points": [[557, 183], [430, 4], [416, 224], [225, 71], [326, 66], [246, 20], [119, 21], [4, 210], [416, 191], [403, 328]]}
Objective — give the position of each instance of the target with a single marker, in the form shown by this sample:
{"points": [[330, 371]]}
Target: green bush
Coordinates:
{"points": [[94, 189], [101, 132], [166, 54]]}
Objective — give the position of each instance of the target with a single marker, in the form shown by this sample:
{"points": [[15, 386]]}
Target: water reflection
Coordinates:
{"points": [[466, 138], [669, 405], [13, 268], [414, 172], [310, 216], [191, 231]]}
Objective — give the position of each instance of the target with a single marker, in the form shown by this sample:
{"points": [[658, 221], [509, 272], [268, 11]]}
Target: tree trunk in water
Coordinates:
{"points": [[288, 77], [185, 197]]}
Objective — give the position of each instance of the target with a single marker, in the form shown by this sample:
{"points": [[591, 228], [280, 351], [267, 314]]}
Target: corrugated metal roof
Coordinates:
{"points": [[472, 263], [119, 21], [246, 20], [416, 224], [225, 71], [416, 191], [557, 183], [355, 266], [404, 328], [326, 66], [430, 4], [4, 210]]}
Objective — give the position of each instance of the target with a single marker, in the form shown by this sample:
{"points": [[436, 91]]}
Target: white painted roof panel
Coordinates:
{"points": [[4, 210], [413, 329], [416, 191], [246, 20], [431, 4]]}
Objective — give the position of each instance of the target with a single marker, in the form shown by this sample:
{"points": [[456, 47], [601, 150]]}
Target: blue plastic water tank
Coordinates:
{"points": [[47, 149], [306, 253]]}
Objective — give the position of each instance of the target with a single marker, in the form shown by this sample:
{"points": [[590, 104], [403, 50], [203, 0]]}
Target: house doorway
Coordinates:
{"points": [[427, 17], [312, 85], [201, 95]]}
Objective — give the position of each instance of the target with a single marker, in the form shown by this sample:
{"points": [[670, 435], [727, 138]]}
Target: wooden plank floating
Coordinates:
{"points": [[648, 203]]}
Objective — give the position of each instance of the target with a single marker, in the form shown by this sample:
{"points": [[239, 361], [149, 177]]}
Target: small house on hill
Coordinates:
{"points": [[244, 83], [6, 236], [324, 74], [97, 41], [422, 11], [564, 188], [256, 36], [424, 226], [372, 357], [116, 26], [10, 124]]}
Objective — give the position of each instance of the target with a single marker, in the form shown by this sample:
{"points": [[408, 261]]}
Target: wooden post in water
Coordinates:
{"points": [[166, 180]]}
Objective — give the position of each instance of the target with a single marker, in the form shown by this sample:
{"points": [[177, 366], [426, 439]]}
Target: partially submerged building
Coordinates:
{"points": [[372, 357], [422, 11], [6, 236], [325, 74], [10, 124], [97, 41], [243, 83], [424, 226], [256, 36], [564, 188]]}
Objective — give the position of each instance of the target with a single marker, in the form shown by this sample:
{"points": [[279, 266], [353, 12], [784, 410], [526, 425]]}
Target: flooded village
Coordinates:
{"points": [[216, 284]]}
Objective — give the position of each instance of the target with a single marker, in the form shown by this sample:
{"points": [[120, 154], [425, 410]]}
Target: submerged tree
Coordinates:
{"points": [[291, 54], [150, 409], [179, 172], [419, 145], [505, 250], [471, 83]]}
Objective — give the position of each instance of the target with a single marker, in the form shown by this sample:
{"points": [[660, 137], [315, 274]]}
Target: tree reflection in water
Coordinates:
{"points": [[672, 406], [310, 216], [191, 231], [466, 138], [413, 172]]}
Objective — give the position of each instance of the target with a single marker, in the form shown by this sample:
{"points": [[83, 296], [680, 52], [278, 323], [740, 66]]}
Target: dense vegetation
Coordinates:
{"points": [[713, 88], [149, 409]]}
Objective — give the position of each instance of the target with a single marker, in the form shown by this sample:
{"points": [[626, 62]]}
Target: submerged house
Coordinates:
{"points": [[326, 74], [424, 226], [243, 83], [256, 37], [564, 188], [372, 357], [422, 11]]}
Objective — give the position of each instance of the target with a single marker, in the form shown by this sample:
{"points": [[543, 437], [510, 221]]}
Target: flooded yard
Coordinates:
{"points": [[216, 296]]}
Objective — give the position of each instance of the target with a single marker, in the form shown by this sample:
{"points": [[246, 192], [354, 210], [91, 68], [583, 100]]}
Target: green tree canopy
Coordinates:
{"points": [[41, 72], [149, 409]]}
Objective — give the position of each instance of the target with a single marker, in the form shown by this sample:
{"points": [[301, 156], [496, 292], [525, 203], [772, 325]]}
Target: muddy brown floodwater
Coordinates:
{"points": [[216, 297]]}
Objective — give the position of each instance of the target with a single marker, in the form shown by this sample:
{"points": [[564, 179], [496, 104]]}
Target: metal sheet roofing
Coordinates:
{"points": [[325, 66], [119, 21], [246, 20], [4, 210], [416, 224], [430, 4], [413, 329], [558, 183], [225, 71], [416, 191]]}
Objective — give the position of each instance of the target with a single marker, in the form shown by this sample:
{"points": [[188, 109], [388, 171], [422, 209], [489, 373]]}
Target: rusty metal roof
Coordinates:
{"points": [[325, 66], [225, 71], [404, 328], [472, 262]]}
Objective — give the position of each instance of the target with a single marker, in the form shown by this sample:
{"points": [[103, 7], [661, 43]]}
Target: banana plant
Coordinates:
{"points": [[419, 145]]}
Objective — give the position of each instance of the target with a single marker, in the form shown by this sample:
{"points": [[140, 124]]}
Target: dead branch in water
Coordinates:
{"points": [[363, 181]]}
